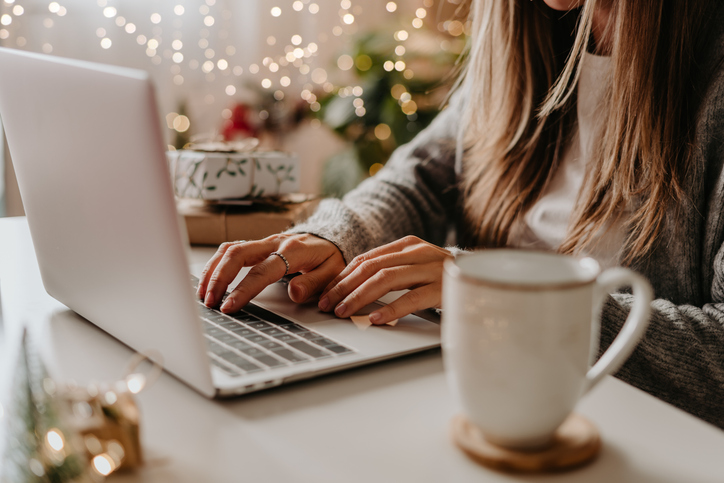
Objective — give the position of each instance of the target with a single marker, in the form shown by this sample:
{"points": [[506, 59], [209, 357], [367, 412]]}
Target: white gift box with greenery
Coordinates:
{"points": [[230, 175]]}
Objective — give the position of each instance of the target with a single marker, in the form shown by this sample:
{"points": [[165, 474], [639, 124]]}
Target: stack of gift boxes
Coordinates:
{"points": [[226, 195]]}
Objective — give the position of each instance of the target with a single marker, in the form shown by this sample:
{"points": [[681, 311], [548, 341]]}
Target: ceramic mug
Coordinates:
{"points": [[520, 330]]}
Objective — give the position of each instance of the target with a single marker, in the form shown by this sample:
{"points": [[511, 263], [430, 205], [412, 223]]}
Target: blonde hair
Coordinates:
{"points": [[522, 68]]}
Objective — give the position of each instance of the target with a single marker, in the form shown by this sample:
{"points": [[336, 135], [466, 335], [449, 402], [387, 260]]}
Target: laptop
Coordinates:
{"points": [[87, 146]]}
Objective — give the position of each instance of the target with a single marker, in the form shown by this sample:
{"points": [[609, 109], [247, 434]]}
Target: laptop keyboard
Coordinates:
{"points": [[254, 340]]}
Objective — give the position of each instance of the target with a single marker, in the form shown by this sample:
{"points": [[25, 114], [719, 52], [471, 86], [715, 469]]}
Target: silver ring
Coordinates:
{"points": [[284, 259]]}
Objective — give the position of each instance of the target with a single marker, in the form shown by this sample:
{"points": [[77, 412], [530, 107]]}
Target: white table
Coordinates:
{"points": [[387, 422]]}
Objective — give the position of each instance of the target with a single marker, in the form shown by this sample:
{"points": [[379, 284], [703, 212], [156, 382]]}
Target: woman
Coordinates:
{"points": [[586, 127]]}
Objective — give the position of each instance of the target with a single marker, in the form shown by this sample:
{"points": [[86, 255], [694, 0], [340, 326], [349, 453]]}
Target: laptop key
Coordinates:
{"points": [[227, 370], [242, 331], [214, 332], [252, 351], [290, 356], [244, 317], [285, 337], [338, 349], [216, 348], [229, 324], [269, 361], [324, 342], [295, 328], [272, 331], [308, 349], [258, 325], [240, 362], [270, 345], [217, 318], [309, 335], [256, 338], [239, 344], [227, 338]]}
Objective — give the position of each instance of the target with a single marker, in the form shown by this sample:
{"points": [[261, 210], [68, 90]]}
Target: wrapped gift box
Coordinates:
{"points": [[229, 175], [215, 223]]}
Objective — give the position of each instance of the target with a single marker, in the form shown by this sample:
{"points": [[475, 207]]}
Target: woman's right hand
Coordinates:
{"points": [[319, 261]]}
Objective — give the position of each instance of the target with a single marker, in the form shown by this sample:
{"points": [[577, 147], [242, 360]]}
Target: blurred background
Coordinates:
{"points": [[339, 82]]}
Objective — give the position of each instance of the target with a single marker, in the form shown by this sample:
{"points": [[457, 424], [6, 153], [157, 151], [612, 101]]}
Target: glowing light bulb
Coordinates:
{"points": [[55, 439], [103, 464], [345, 62]]}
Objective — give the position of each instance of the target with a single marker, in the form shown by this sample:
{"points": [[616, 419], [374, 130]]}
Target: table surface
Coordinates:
{"points": [[385, 422]]}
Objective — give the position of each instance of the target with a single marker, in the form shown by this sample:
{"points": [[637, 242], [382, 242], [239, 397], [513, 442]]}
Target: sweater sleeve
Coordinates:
{"points": [[414, 194], [680, 359]]}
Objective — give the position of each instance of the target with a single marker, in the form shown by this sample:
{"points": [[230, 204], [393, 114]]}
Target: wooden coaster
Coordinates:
{"points": [[575, 443]]}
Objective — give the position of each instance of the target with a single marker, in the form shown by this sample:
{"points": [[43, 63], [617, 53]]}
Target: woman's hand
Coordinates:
{"points": [[318, 260], [408, 263]]}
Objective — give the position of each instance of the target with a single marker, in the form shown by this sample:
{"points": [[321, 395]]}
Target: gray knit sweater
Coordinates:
{"points": [[681, 358]]}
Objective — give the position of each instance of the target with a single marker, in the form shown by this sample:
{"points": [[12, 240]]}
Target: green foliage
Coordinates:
{"points": [[404, 116], [34, 411]]}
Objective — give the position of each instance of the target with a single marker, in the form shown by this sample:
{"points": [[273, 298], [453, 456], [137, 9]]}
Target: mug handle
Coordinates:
{"points": [[634, 327]]}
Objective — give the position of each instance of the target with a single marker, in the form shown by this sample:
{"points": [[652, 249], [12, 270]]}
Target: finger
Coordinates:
{"points": [[383, 282], [210, 267], [304, 287], [418, 299], [304, 253], [415, 251], [343, 286], [262, 274], [234, 259], [392, 247]]}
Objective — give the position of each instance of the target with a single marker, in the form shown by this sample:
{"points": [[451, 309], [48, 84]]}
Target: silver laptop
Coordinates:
{"points": [[88, 151]]}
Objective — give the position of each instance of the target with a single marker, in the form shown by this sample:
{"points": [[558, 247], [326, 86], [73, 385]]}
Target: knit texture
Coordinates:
{"points": [[681, 358]]}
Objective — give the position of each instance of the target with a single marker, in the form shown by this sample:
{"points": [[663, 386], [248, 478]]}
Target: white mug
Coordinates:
{"points": [[519, 332]]}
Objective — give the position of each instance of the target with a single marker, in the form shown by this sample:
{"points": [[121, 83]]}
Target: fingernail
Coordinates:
{"points": [[199, 292], [375, 317], [300, 293], [209, 301], [324, 304], [228, 304], [341, 311]]}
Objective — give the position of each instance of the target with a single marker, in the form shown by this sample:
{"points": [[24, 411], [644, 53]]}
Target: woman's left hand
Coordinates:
{"points": [[408, 263]]}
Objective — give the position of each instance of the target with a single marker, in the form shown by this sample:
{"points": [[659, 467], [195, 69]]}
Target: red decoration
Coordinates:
{"points": [[239, 126]]}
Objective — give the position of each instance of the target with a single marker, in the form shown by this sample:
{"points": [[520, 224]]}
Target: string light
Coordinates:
{"points": [[181, 57]]}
